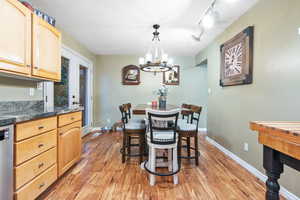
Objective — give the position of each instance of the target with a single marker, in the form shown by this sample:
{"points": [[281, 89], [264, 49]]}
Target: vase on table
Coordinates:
{"points": [[162, 102]]}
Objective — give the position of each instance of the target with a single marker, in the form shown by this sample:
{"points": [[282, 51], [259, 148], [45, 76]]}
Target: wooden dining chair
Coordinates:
{"points": [[187, 131], [132, 130], [185, 112], [129, 114]]}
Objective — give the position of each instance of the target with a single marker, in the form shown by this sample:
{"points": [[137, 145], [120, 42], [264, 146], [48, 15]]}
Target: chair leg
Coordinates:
{"points": [[152, 165], [128, 146], [196, 150], [170, 168], [124, 148], [179, 148], [188, 143], [175, 165], [141, 148], [149, 158]]}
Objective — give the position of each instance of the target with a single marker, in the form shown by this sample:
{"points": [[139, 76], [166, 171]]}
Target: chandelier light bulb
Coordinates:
{"points": [[170, 61], [164, 58], [148, 57], [141, 61], [208, 21]]}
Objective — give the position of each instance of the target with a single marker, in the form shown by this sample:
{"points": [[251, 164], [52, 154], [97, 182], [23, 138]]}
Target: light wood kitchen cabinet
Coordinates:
{"points": [[35, 157], [46, 50], [42, 152], [15, 40], [69, 146], [29, 46]]}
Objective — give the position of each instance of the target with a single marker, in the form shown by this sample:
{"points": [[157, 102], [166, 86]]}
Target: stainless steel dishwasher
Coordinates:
{"points": [[6, 162]]}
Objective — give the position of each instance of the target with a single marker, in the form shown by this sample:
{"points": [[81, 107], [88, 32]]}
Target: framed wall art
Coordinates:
{"points": [[172, 77], [237, 59], [131, 75]]}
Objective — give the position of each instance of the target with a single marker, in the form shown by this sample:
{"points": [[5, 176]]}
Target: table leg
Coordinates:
{"points": [[274, 168]]}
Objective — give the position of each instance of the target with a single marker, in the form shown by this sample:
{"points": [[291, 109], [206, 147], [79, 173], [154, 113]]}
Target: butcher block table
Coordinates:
{"points": [[140, 109], [281, 142]]}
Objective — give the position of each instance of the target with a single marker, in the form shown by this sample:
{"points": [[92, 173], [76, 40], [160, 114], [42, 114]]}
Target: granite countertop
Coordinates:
{"points": [[26, 115], [5, 121]]}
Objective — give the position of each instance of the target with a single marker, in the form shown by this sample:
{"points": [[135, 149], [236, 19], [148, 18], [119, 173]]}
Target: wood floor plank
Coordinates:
{"points": [[100, 175]]}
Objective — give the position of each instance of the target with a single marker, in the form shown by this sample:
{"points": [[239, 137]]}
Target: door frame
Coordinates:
{"points": [[49, 86]]}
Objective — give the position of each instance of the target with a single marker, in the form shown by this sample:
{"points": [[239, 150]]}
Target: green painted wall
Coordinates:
{"points": [[109, 92], [274, 93]]}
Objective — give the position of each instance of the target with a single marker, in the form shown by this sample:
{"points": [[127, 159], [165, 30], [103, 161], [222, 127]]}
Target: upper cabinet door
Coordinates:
{"points": [[15, 37], [46, 50]]}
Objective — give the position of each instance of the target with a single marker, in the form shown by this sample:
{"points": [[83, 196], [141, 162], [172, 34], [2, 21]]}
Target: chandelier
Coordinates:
{"points": [[155, 60]]}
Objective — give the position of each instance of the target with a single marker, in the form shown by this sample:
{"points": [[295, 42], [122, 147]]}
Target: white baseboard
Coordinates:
{"points": [[202, 130], [284, 192]]}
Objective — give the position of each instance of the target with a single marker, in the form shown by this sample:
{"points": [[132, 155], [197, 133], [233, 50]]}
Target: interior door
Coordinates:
{"points": [[15, 37]]}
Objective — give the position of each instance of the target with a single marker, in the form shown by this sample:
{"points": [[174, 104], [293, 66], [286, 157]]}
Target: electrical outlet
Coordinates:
{"points": [[40, 85], [31, 92], [246, 146]]}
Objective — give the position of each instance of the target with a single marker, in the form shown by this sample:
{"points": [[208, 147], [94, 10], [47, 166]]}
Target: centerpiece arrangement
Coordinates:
{"points": [[162, 96]]}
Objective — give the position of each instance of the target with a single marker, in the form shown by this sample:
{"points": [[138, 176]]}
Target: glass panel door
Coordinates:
{"points": [[75, 87], [61, 89], [83, 92]]}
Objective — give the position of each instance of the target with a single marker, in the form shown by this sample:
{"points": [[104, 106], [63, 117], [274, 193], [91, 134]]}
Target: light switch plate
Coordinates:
{"points": [[209, 91], [246, 146]]}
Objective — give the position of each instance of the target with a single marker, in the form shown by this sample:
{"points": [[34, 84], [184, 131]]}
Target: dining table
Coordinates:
{"points": [[140, 109]]}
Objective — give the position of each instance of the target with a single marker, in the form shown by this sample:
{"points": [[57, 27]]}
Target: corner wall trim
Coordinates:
{"points": [[284, 192]]}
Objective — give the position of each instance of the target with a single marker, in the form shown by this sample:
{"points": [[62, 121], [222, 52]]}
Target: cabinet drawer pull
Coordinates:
{"points": [[41, 165], [41, 145], [41, 185], [28, 65], [41, 127], [72, 118]]}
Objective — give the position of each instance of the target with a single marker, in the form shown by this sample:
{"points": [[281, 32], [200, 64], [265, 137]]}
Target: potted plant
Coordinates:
{"points": [[162, 96]]}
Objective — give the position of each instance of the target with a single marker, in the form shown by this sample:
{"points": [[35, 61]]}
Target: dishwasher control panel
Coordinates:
{"points": [[4, 134]]}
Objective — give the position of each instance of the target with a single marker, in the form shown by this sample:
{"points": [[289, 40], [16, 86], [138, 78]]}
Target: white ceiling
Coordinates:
{"points": [[125, 26]]}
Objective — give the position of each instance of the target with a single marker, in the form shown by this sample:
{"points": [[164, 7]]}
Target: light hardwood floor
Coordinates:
{"points": [[101, 175]]}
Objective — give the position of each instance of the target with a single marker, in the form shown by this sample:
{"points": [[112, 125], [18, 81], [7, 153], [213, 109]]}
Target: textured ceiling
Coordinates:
{"points": [[125, 26]]}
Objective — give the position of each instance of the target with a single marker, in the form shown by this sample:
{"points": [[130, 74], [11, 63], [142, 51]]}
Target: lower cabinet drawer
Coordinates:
{"points": [[69, 118], [32, 128], [32, 168], [32, 147], [38, 185]]}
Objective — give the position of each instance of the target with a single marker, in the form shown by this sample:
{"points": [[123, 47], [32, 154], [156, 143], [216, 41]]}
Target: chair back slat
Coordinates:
{"points": [[186, 112], [128, 109], [124, 114], [163, 121], [196, 112]]}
